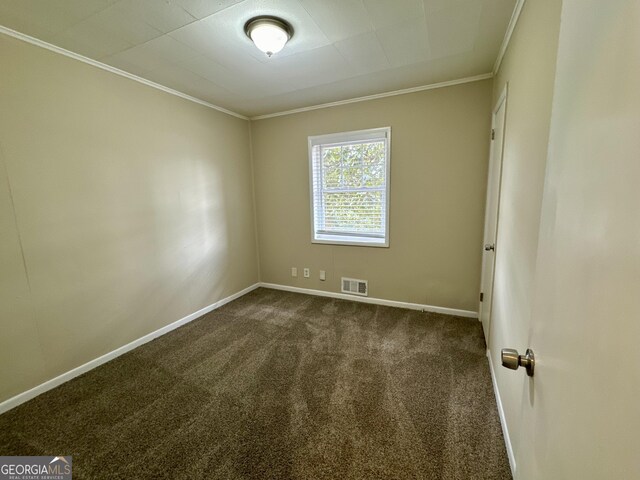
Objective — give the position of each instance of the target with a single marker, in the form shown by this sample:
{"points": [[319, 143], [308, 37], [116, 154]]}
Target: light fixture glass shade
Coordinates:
{"points": [[268, 34]]}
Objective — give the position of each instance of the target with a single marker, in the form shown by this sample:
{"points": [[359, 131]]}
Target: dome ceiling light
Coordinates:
{"points": [[269, 34]]}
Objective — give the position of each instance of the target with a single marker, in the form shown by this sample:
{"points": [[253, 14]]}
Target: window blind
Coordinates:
{"points": [[349, 174]]}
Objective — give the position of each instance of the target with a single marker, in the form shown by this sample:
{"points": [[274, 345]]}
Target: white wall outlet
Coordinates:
{"points": [[294, 271], [323, 275], [307, 274]]}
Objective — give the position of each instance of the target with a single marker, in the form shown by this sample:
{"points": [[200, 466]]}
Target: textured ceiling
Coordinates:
{"points": [[341, 48]]}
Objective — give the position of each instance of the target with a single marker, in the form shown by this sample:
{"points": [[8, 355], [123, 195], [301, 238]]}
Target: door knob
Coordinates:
{"points": [[489, 247], [511, 359]]}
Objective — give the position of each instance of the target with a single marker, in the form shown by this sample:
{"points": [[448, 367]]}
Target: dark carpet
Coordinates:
{"points": [[280, 385]]}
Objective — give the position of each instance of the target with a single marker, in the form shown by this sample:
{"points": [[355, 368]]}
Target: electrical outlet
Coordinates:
{"points": [[323, 275], [294, 271], [307, 273]]}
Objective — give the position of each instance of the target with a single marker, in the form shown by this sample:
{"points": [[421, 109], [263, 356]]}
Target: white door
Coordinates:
{"points": [[581, 410], [491, 212]]}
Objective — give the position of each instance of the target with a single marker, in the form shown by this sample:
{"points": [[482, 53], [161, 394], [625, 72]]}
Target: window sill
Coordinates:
{"points": [[353, 241]]}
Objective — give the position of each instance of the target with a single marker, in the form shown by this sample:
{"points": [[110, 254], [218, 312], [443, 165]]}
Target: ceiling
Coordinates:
{"points": [[341, 49]]}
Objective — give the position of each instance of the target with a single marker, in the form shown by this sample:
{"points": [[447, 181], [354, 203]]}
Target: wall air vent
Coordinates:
{"points": [[355, 286]]}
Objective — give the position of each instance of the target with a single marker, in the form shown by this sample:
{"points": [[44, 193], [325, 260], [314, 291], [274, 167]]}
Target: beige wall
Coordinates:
{"points": [[529, 69], [122, 209], [439, 157]]}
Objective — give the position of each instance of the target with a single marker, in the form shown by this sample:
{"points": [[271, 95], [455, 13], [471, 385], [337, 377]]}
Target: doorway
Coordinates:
{"points": [[491, 211]]}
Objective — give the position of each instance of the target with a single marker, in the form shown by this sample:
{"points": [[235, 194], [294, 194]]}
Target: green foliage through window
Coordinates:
{"points": [[350, 187], [353, 193]]}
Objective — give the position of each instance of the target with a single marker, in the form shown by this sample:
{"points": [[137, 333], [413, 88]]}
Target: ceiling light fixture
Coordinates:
{"points": [[269, 34]]}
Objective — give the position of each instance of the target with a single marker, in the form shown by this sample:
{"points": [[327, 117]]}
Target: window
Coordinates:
{"points": [[350, 187]]}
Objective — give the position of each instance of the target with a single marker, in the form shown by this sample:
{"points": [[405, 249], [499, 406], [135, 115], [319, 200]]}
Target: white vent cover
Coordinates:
{"points": [[355, 286]]}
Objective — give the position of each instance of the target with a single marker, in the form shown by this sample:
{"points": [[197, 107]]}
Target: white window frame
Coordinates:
{"points": [[356, 136]]}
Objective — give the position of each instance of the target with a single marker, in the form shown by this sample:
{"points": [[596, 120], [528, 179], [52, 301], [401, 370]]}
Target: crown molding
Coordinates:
{"points": [[48, 46], [393, 93], [507, 35], [40, 43]]}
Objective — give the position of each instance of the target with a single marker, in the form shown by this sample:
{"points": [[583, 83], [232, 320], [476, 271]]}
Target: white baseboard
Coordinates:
{"points": [[503, 420], [65, 377], [376, 301]]}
